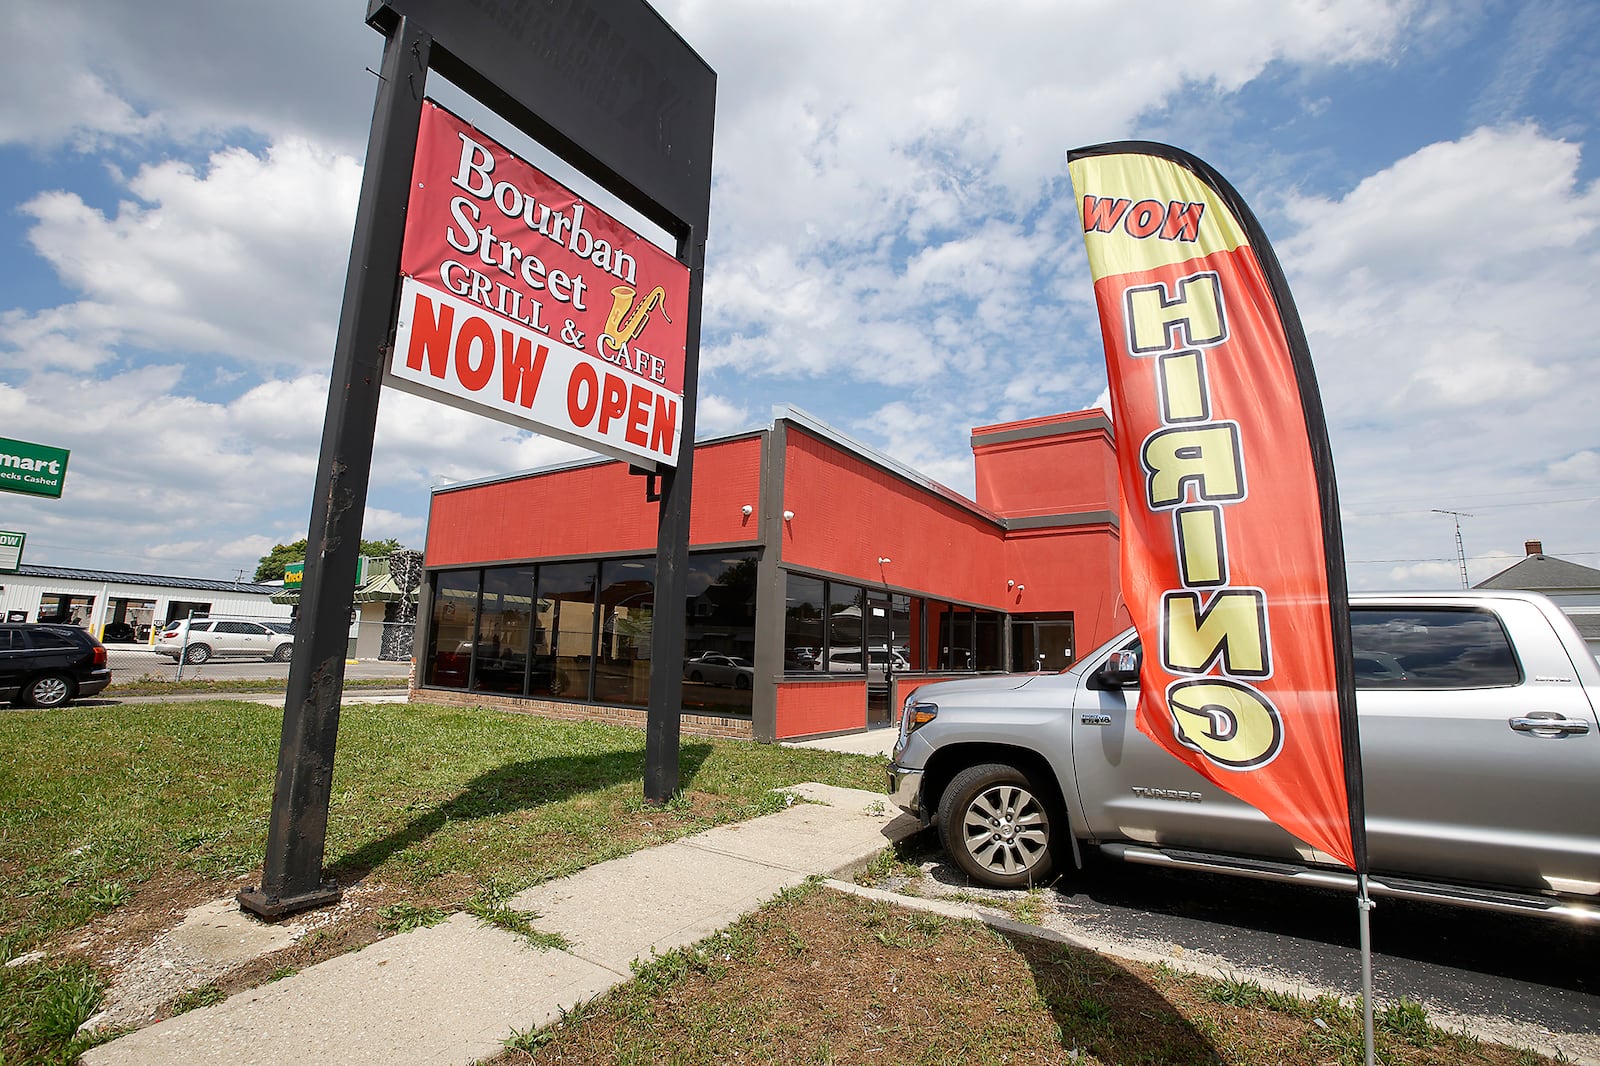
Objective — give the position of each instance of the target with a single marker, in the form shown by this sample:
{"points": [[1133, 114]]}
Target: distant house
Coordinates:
{"points": [[1574, 588]]}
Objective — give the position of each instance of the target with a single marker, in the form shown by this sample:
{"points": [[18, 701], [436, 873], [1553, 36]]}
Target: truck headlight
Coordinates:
{"points": [[919, 714]]}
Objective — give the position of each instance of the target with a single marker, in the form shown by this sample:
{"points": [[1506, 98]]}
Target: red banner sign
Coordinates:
{"points": [[1231, 561], [523, 302]]}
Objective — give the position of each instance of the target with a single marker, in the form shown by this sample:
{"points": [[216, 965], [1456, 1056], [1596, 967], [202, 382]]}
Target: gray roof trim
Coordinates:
{"points": [[1048, 429], [1074, 518], [115, 577]]}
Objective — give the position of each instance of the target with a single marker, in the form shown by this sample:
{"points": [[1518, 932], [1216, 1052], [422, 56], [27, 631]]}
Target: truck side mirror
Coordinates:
{"points": [[1119, 671]]}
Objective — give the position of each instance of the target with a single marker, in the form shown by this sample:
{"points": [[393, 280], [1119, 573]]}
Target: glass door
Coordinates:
{"points": [[1041, 643], [879, 658]]}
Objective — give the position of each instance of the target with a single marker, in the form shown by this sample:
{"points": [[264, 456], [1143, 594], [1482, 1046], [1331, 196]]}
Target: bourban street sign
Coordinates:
{"points": [[34, 469], [522, 302]]}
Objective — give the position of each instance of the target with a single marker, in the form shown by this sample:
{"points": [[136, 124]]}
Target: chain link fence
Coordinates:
{"points": [[195, 647]]}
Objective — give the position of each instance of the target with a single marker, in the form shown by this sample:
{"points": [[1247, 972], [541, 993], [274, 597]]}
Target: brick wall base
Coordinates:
{"points": [[699, 725]]}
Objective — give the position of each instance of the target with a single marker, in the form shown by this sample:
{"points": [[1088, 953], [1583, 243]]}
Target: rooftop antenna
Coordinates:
{"points": [[1461, 552]]}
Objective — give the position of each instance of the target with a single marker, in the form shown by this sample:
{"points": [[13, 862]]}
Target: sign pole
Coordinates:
{"points": [[664, 716], [291, 876]]}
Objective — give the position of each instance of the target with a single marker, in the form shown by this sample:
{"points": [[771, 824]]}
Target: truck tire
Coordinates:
{"points": [[997, 826]]}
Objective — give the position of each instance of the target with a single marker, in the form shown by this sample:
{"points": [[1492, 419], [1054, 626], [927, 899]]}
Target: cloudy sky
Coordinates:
{"points": [[892, 249]]}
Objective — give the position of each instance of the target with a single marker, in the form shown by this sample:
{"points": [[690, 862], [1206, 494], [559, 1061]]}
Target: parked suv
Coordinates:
{"points": [[47, 665], [197, 639]]}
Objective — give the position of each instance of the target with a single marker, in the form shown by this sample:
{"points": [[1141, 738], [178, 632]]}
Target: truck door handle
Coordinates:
{"points": [[1550, 727]]}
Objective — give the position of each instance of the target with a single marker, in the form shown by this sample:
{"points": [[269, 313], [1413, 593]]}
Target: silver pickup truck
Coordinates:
{"points": [[1480, 751]]}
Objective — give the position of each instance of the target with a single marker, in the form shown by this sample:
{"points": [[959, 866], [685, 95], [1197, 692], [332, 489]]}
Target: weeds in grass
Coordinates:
{"points": [[888, 868], [1028, 907], [42, 1007], [527, 1040], [491, 909], [1408, 1021], [1230, 991], [404, 917], [281, 972], [109, 895], [204, 996]]}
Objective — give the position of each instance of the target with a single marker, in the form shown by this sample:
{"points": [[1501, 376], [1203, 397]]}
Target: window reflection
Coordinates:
{"points": [[505, 630], [802, 623], [845, 606], [455, 611], [565, 642], [720, 632], [628, 599]]}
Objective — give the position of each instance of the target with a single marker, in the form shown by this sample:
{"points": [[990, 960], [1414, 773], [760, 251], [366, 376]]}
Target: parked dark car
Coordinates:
{"points": [[120, 633], [45, 665]]}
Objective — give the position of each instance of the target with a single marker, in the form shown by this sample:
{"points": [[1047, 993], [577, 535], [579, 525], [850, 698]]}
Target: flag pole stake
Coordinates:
{"points": [[1364, 907]]}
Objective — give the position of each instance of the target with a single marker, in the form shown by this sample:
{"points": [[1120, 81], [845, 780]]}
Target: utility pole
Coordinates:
{"points": [[1461, 552]]}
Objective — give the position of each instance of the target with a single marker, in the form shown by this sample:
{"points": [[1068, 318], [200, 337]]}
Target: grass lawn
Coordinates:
{"points": [[821, 977], [115, 818], [156, 686]]}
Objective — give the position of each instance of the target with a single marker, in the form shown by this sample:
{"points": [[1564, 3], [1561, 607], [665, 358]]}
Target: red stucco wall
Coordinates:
{"points": [[1072, 469], [809, 707], [849, 512], [599, 508]]}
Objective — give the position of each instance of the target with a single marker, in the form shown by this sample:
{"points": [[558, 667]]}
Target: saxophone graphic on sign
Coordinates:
{"points": [[627, 319]]}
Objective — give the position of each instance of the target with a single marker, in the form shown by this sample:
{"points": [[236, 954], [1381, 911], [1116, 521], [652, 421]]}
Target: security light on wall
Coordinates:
{"points": [[788, 516], [746, 510]]}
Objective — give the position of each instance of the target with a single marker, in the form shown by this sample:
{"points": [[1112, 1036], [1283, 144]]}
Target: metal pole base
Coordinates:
{"points": [[271, 908]]}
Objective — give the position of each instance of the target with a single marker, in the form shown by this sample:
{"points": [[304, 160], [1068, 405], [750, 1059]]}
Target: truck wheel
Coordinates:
{"points": [[996, 826]]}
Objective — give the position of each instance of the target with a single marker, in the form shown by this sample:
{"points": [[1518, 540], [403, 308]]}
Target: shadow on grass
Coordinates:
{"points": [[1108, 1011], [514, 787]]}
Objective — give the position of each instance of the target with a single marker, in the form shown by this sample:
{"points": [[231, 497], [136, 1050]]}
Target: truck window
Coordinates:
{"points": [[1431, 648]]}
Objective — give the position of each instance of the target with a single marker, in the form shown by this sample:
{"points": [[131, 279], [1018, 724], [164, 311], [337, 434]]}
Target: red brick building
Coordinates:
{"points": [[826, 581]]}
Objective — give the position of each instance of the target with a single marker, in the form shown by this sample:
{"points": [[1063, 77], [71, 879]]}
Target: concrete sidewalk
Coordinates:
{"points": [[452, 993]]}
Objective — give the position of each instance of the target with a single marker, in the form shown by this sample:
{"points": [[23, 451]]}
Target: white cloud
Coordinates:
{"points": [[93, 73], [245, 260]]}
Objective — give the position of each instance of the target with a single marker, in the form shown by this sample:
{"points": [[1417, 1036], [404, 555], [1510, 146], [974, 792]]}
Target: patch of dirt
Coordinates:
{"points": [[182, 934], [825, 977]]}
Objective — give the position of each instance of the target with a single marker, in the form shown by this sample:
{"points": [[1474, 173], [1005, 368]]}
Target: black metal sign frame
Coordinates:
{"points": [[612, 89]]}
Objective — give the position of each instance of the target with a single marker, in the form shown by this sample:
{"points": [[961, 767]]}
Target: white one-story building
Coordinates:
{"points": [[95, 599]]}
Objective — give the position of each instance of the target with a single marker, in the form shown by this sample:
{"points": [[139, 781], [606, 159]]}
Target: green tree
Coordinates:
{"points": [[270, 568]]}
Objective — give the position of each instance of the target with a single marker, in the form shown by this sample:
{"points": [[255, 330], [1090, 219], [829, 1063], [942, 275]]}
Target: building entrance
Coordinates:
{"points": [[1042, 642]]}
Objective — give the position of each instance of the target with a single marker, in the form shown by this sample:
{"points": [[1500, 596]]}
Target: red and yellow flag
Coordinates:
{"points": [[1232, 561]]}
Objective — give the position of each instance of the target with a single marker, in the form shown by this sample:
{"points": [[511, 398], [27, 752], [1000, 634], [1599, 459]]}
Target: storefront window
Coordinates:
{"points": [[455, 611], [720, 633], [845, 606], [802, 623], [955, 637], [505, 629], [989, 654], [627, 600], [907, 631], [564, 637]]}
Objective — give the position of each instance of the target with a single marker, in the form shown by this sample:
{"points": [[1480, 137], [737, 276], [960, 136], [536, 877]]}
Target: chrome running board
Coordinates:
{"points": [[1343, 881]]}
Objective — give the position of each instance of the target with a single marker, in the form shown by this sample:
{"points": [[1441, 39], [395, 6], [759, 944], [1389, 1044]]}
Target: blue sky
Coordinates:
{"points": [[892, 249]]}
